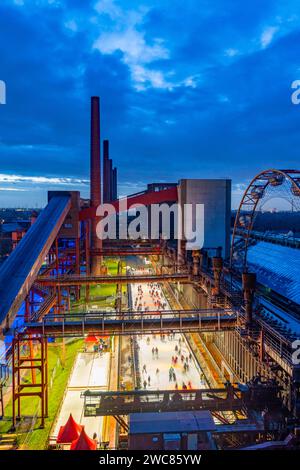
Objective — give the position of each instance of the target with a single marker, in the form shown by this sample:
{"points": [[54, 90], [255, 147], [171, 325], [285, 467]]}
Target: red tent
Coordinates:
{"points": [[91, 339], [70, 431], [83, 442]]}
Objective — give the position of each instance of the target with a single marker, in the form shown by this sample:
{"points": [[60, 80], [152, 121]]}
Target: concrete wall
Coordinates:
{"points": [[215, 194]]}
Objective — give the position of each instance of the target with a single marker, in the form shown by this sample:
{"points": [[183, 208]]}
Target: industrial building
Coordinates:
{"points": [[158, 344]]}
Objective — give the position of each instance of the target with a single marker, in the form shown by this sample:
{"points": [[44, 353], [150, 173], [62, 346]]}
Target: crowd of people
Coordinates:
{"points": [[156, 298], [150, 297], [180, 360]]}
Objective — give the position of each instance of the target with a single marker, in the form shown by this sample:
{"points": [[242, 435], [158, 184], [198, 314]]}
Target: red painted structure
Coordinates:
{"points": [[69, 432], [95, 178], [146, 198], [29, 354], [83, 442]]}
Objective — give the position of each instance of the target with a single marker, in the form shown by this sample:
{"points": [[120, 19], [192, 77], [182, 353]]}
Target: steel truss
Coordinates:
{"points": [[243, 225]]}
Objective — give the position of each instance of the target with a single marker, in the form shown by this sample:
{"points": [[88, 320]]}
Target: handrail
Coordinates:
{"points": [[134, 315]]}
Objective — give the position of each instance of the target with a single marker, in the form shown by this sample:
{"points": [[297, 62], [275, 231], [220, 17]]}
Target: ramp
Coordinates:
{"points": [[19, 271]]}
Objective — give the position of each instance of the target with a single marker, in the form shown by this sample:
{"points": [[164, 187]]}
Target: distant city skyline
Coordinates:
{"points": [[188, 89]]}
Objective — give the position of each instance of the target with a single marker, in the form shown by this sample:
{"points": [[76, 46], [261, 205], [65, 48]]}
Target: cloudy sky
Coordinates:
{"points": [[194, 88]]}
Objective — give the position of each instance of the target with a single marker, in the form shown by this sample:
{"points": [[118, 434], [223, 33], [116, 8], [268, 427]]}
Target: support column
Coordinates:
{"points": [[196, 262], [181, 254], [31, 353], [77, 264], [27, 308], [68, 299], [217, 263], [163, 247], [23, 361], [31, 302], [249, 285], [261, 347], [87, 259], [57, 272]]}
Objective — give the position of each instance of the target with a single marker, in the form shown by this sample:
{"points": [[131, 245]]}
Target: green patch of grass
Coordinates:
{"points": [[102, 294], [38, 438], [112, 265], [103, 290]]}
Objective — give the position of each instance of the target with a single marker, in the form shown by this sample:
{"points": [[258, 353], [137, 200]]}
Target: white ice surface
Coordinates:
{"points": [[90, 370], [166, 349], [74, 404]]}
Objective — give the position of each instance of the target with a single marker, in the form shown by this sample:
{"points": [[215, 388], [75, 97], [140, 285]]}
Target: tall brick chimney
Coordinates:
{"points": [[95, 178]]}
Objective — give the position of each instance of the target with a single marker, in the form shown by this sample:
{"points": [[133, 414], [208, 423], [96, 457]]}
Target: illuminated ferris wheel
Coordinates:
{"points": [[266, 186]]}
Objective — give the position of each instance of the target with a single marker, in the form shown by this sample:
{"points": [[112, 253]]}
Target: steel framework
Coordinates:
{"points": [[245, 216], [114, 403], [78, 279], [252, 396], [133, 323], [29, 362]]}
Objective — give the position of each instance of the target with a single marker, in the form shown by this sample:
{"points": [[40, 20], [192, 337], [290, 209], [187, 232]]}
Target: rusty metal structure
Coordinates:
{"points": [[29, 354], [132, 323], [234, 319], [230, 398], [256, 191]]}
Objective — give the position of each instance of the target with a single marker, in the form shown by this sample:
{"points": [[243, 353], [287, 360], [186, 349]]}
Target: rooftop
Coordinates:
{"points": [[277, 267], [177, 421]]}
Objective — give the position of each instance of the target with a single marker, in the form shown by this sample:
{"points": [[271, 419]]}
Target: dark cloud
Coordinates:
{"points": [[218, 106]]}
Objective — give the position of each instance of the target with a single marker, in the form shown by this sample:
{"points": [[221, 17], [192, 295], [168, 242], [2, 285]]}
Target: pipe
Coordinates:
{"points": [[249, 285]]}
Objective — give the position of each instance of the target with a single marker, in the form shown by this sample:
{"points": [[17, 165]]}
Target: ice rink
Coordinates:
{"points": [[90, 370], [151, 297], [163, 362]]}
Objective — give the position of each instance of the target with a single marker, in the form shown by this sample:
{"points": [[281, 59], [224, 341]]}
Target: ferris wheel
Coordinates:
{"points": [[267, 185]]}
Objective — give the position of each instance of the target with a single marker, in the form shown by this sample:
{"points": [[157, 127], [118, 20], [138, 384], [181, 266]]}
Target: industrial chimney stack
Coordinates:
{"points": [[106, 176], [109, 175], [95, 178]]}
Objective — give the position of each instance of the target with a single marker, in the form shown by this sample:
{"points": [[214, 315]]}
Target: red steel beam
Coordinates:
{"points": [[126, 252], [75, 280], [148, 198]]}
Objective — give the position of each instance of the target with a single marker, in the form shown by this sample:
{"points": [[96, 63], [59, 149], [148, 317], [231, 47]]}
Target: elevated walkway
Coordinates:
{"points": [[78, 280], [133, 323], [114, 403], [48, 303]]}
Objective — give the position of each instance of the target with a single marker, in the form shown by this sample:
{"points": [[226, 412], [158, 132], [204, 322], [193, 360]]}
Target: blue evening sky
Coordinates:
{"points": [[192, 88]]}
